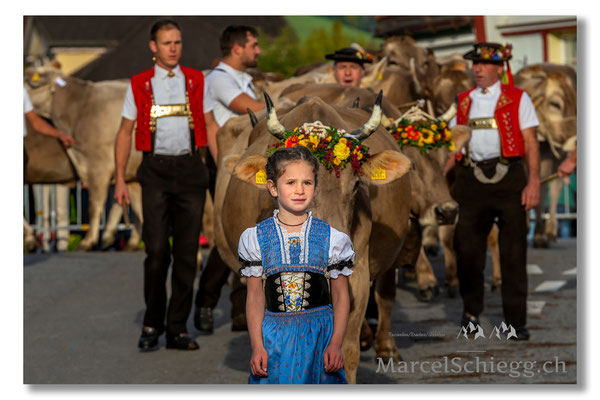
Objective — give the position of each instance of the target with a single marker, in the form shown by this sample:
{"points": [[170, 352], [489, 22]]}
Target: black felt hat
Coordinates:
{"points": [[493, 53], [350, 54]]}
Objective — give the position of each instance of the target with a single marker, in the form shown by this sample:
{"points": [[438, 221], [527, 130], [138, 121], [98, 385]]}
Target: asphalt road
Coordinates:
{"points": [[83, 313]]}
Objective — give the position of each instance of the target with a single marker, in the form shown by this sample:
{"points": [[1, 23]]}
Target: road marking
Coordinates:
{"points": [[534, 269], [571, 272], [550, 286], [535, 307]]}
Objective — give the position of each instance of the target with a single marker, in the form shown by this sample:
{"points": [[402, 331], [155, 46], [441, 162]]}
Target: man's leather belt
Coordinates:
{"points": [[483, 123], [171, 110]]}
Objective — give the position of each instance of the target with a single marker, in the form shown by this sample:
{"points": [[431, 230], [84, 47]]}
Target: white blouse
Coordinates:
{"points": [[340, 250]]}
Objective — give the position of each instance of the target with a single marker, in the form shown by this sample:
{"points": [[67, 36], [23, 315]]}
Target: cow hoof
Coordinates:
{"points": [[540, 242], [452, 291], [432, 250], [429, 293], [84, 247], [30, 246], [107, 242], [409, 274], [386, 354]]}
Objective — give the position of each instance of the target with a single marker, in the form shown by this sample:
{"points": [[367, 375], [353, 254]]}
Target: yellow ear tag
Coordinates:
{"points": [[379, 76], [261, 177], [378, 174], [35, 77]]}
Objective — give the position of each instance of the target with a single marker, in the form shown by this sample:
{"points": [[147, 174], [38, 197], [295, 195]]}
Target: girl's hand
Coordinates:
{"points": [[258, 362], [333, 359]]}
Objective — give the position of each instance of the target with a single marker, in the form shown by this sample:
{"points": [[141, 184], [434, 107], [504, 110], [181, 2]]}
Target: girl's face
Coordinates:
{"points": [[295, 188]]}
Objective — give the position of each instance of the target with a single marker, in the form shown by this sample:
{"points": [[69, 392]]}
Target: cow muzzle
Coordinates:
{"points": [[446, 214]]}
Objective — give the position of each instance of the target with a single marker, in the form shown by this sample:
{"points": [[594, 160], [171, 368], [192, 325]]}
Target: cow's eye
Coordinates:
{"points": [[555, 104]]}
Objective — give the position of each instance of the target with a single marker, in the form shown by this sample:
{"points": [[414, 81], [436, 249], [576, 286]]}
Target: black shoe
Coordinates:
{"points": [[522, 334], [239, 323], [182, 342], [466, 320], [148, 338], [203, 320]]}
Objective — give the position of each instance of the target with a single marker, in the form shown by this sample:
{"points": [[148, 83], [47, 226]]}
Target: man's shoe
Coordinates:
{"points": [[182, 342], [148, 338], [467, 319], [522, 334], [203, 320], [239, 323]]}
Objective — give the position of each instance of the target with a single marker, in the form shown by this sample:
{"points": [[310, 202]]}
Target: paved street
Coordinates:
{"points": [[83, 312]]}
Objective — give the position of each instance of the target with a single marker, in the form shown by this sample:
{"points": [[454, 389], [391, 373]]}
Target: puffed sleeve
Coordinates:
{"points": [[249, 254], [341, 254]]}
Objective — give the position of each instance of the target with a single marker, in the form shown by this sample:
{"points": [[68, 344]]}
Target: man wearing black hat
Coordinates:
{"points": [[492, 185], [348, 68]]}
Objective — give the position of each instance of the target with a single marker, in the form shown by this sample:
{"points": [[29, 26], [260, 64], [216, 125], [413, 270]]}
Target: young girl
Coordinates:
{"points": [[298, 337]]}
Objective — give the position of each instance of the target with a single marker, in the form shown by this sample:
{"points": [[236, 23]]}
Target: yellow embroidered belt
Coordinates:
{"points": [[158, 111], [483, 123]]}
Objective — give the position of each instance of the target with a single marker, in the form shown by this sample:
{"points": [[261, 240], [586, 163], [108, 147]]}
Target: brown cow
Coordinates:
{"points": [[366, 209]]}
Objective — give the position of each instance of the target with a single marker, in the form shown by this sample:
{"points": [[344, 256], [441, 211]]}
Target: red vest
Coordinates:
{"points": [[507, 118], [142, 93]]}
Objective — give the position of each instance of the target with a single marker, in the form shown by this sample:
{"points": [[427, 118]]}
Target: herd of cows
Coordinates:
{"points": [[388, 219]]}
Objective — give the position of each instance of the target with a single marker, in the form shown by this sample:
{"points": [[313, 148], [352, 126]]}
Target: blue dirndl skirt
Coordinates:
{"points": [[295, 343]]}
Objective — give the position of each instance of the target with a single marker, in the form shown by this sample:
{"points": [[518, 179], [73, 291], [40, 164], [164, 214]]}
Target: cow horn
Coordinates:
{"points": [[372, 124], [355, 105], [449, 114], [273, 124], [253, 119], [413, 71]]}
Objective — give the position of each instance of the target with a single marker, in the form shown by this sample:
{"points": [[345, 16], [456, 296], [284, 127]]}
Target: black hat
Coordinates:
{"points": [[493, 53], [350, 54]]}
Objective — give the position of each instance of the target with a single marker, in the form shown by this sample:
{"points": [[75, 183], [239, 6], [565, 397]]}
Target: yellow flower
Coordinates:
{"points": [[434, 127], [301, 136], [303, 142], [443, 125], [427, 136], [420, 144], [447, 134], [451, 147], [337, 161], [292, 285], [341, 150], [314, 139], [296, 129], [359, 156], [343, 140], [404, 135]]}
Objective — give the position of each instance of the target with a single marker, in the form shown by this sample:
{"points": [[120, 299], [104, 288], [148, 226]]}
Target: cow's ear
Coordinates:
{"points": [[230, 161], [252, 170], [461, 134], [385, 167]]}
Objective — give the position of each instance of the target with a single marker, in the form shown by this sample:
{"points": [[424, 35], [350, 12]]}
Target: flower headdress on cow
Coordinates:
{"points": [[334, 148], [493, 53], [350, 54]]}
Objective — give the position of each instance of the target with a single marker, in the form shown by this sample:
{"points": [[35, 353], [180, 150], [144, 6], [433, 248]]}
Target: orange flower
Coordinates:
{"points": [[292, 141]]}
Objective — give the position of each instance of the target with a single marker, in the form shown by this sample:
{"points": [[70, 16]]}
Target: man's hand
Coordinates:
{"points": [[67, 141], [530, 196], [121, 192], [449, 164], [258, 362], [333, 359], [567, 167]]}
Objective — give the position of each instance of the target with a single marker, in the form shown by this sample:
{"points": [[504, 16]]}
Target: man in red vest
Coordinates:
{"points": [[167, 103], [492, 185]]}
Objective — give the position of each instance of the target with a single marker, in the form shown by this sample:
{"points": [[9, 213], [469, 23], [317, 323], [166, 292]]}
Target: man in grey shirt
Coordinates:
{"points": [[232, 94]]}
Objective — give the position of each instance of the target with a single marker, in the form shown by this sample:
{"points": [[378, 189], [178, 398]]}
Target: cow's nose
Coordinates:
{"points": [[446, 213]]}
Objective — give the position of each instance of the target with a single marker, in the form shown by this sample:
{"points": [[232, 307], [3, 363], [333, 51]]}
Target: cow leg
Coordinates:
{"points": [[62, 217], [546, 168], [430, 240], [43, 203], [385, 295], [551, 230], [446, 234], [359, 296], [110, 230], [29, 241], [98, 191], [426, 281], [492, 243], [135, 196]]}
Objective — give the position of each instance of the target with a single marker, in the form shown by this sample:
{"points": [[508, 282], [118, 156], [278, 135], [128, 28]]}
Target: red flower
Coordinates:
{"points": [[292, 141]]}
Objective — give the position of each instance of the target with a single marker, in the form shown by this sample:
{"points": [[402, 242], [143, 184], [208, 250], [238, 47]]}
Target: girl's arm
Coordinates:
{"points": [[341, 308], [255, 313]]}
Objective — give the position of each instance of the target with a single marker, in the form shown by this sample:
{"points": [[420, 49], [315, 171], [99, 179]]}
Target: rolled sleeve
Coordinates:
{"points": [[527, 116], [129, 109]]}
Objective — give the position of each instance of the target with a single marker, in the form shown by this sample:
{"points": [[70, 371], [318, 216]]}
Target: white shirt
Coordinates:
{"points": [[27, 106], [225, 84], [485, 143], [172, 133]]}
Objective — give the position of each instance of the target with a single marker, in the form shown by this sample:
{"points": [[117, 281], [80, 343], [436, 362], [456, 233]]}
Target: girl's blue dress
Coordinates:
{"points": [[296, 337]]}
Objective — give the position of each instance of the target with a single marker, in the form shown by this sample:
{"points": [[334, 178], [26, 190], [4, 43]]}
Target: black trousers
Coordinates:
{"points": [[173, 194], [480, 204]]}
